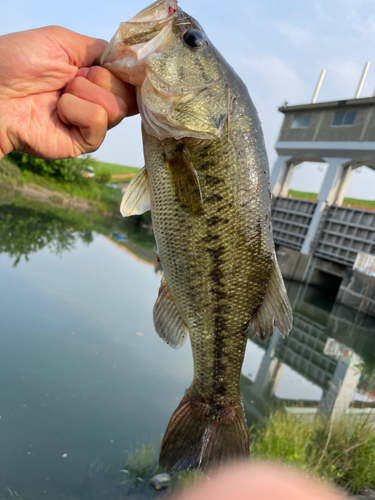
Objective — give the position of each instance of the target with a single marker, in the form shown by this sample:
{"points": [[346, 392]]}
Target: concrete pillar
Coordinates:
{"points": [[270, 370], [338, 397], [344, 185], [326, 197], [279, 175]]}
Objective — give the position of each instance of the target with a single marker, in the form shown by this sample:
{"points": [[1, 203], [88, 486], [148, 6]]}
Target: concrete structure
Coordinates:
{"points": [[341, 134], [323, 350]]}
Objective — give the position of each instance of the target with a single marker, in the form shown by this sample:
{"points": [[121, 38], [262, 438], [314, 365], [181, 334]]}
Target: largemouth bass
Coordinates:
{"points": [[206, 180]]}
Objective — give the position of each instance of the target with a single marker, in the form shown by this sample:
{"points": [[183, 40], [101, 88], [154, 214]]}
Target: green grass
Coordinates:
{"points": [[365, 203], [343, 454], [302, 194], [102, 197], [313, 196], [100, 167]]}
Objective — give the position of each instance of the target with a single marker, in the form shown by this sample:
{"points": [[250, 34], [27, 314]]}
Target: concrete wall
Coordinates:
{"points": [[320, 128], [292, 263], [357, 291]]}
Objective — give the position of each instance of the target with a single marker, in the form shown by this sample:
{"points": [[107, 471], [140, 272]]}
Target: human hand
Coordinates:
{"points": [[52, 104], [262, 481]]}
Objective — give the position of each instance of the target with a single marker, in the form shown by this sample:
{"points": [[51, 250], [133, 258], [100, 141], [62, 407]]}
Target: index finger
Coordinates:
{"points": [[107, 81]]}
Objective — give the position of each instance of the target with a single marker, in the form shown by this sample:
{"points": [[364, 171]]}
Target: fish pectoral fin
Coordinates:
{"points": [[167, 320], [184, 182], [275, 309], [136, 199]]}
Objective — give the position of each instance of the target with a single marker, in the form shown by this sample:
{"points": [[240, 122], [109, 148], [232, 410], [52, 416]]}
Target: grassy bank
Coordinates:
{"points": [[101, 167], [101, 197], [354, 202], [343, 455]]}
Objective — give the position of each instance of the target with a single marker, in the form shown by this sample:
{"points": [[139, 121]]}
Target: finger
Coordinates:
{"points": [[263, 482], [103, 78], [81, 50], [115, 106], [88, 121]]}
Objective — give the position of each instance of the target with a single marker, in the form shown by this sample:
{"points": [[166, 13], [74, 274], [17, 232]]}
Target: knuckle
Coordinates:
{"points": [[98, 75], [98, 116], [75, 85]]}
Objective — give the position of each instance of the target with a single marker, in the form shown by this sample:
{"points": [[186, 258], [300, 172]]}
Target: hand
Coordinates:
{"points": [[262, 481], [52, 105]]}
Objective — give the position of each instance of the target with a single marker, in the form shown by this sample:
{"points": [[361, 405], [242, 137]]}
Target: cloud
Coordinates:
{"points": [[295, 34]]}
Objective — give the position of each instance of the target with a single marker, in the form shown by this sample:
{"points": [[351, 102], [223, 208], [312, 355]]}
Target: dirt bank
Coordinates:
{"points": [[55, 198]]}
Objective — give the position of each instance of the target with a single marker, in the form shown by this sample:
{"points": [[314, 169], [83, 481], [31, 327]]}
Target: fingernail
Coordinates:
{"points": [[83, 72]]}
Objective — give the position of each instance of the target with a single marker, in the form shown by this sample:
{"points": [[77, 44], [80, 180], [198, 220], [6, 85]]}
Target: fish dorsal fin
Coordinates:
{"points": [[184, 182], [275, 309], [136, 199], [167, 320]]}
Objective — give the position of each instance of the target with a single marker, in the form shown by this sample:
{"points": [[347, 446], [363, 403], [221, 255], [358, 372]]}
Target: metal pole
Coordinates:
{"points": [[319, 84], [362, 80]]}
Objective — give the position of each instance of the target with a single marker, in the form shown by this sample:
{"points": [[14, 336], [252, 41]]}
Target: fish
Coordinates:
{"points": [[206, 181]]}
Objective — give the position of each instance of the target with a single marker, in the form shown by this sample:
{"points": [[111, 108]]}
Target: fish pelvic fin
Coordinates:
{"points": [[275, 309], [136, 199], [167, 320], [199, 436]]}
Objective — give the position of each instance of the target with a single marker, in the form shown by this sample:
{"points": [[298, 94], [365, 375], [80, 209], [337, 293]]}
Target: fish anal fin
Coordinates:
{"points": [[184, 182], [136, 199], [199, 436], [167, 320], [275, 309]]}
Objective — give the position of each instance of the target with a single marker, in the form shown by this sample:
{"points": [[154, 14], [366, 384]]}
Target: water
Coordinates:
{"points": [[86, 380]]}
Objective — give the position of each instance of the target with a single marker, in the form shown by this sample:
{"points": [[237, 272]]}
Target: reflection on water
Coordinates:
{"points": [[27, 227], [331, 353], [85, 379]]}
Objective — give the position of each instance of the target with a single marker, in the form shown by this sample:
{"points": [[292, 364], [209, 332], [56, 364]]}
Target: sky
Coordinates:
{"points": [[278, 49]]}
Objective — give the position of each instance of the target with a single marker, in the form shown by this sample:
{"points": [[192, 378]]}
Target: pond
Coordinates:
{"points": [[85, 380]]}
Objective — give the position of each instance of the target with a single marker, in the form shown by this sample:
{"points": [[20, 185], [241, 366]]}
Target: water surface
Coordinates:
{"points": [[85, 378]]}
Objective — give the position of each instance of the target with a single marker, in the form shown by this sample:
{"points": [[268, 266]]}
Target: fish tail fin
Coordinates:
{"points": [[198, 437]]}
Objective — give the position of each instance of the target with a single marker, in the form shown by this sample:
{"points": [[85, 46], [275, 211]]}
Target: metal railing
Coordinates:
{"points": [[291, 219], [346, 232]]}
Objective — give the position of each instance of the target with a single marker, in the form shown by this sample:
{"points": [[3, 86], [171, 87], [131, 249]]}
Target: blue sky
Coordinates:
{"points": [[278, 49]]}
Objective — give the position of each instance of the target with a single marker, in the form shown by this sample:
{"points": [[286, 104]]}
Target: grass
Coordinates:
{"points": [[102, 197], [313, 196], [343, 454], [302, 195], [100, 167], [365, 203]]}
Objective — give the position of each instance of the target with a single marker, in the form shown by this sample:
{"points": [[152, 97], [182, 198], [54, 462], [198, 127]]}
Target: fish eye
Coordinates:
{"points": [[193, 38]]}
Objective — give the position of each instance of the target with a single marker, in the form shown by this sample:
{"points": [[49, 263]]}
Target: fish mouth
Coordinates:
{"points": [[157, 11], [137, 38]]}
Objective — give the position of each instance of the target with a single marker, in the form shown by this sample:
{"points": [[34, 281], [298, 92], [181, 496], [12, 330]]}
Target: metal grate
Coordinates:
{"points": [[346, 232], [291, 219]]}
